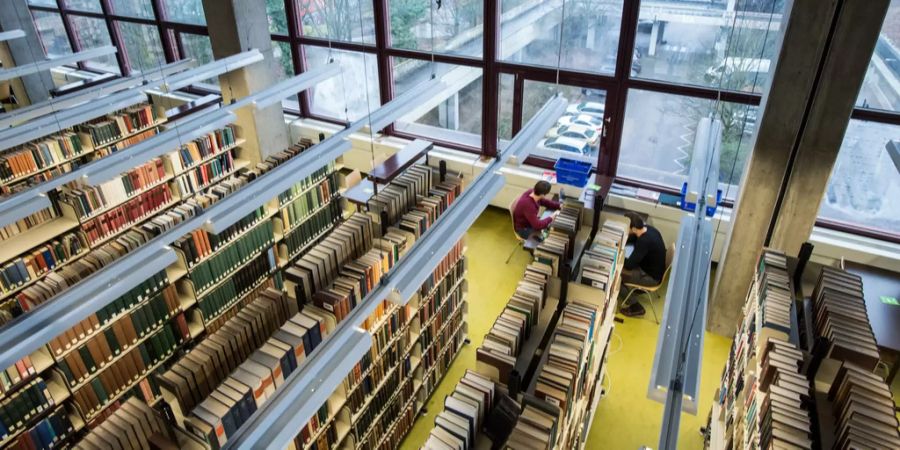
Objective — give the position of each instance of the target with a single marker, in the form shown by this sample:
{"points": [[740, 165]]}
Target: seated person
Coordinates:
{"points": [[525, 212], [647, 262]]}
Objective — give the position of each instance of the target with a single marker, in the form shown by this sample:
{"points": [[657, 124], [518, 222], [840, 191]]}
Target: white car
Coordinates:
{"points": [[582, 133], [595, 109], [586, 120], [565, 144]]}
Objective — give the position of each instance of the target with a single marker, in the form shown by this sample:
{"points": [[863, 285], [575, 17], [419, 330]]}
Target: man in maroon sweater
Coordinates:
{"points": [[525, 212]]}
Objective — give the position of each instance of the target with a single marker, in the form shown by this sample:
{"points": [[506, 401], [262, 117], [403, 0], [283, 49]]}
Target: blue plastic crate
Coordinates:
{"points": [[571, 172]]}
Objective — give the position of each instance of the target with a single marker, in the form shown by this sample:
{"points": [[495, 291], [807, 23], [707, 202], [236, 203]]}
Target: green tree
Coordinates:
{"points": [[406, 14]]}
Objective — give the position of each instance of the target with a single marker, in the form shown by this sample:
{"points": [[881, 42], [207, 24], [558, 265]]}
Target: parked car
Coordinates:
{"points": [[581, 132], [565, 144], [582, 119], [595, 109]]}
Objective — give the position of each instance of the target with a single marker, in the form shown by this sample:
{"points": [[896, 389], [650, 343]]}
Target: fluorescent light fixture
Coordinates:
{"points": [[54, 123], [211, 70], [281, 178], [392, 110], [679, 347], [431, 249], [94, 94], [11, 34], [284, 89], [47, 64], [169, 140], [303, 393], [524, 142], [29, 332]]}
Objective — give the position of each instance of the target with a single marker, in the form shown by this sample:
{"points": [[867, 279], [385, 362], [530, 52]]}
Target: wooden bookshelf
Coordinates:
{"points": [[34, 237]]}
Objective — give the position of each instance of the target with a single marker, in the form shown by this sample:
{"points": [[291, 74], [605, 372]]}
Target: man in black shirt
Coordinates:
{"points": [[647, 262]]}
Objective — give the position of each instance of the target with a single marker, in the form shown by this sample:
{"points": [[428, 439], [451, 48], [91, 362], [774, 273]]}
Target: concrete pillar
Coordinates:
{"points": [[654, 38], [32, 88], [236, 26], [782, 113], [448, 112], [833, 101]]}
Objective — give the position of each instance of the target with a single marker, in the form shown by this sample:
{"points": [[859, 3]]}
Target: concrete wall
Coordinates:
{"points": [[830, 245]]}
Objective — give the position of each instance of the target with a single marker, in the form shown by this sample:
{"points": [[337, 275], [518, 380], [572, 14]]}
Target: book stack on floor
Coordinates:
{"points": [[506, 339], [412, 347]]}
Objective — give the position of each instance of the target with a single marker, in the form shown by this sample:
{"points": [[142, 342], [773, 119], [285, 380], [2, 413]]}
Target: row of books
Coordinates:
{"points": [[775, 290], [127, 214], [191, 378], [122, 375], [841, 318], [306, 202], [598, 264], [98, 351], [301, 186], [401, 194], [503, 344], [37, 155], [17, 410], [88, 200], [311, 230], [202, 176], [561, 379], [552, 251], [21, 372], [568, 221], [192, 153], [538, 425], [133, 425], [28, 222], [465, 412], [778, 415], [863, 404], [40, 260], [199, 244], [255, 380], [221, 264], [124, 143], [389, 344], [50, 432], [211, 325], [228, 292], [114, 126]]}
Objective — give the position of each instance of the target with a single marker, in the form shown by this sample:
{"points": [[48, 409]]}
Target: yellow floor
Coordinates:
{"points": [[625, 418]]}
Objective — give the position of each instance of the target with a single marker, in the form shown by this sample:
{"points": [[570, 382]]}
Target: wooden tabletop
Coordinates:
{"points": [[400, 161], [361, 192], [884, 317]]}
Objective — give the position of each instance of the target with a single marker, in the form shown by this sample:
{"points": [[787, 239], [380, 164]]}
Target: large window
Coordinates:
{"points": [[881, 88], [580, 35], [449, 26], [133, 8], [351, 94], [723, 44], [92, 33], [339, 20], [658, 138], [577, 134], [84, 5], [53, 35], [188, 11], [142, 46], [865, 181]]}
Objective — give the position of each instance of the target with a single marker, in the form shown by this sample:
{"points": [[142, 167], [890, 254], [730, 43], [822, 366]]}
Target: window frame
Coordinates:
{"points": [[617, 85]]}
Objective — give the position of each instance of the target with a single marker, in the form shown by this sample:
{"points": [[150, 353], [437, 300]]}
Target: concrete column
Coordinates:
{"points": [[833, 100], [448, 112], [236, 26], [654, 38], [802, 43], [26, 50]]}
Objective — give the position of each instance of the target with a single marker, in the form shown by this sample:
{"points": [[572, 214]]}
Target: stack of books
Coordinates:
{"points": [[537, 426], [87, 200], [553, 250], [568, 221], [133, 425], [776, 296], [778, 415], [841, 318], [465, 410], [598, 264], [864, 410], [40, 260], [503, 343]]}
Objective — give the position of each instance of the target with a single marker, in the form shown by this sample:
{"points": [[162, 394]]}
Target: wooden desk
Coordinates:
{"points": [[885, 318], [400, 161], [361, 192]]}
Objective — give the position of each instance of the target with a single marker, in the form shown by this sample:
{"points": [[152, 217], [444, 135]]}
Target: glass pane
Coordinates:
{"points": [[94, 33], [590, 33], [458, 26], [277, 16], [717, 43], [881, 88], [350, 95], [142, 46], [84, 5], [199, 48], [577, 134], [658, 138], [187, 11], [133, 8], [505, 125], [453, 115], [53, 35], [339, 20], [282, 51], [865, 184], [43, 3]]}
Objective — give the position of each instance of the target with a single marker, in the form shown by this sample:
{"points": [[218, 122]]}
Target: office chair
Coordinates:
{"points": [[527, 244], [647, 290]]}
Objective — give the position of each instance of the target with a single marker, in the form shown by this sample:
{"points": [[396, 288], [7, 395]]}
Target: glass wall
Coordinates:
{"points": [[881, 88], [92, 33], [350, 95], [53, 35], [449, 26]]}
